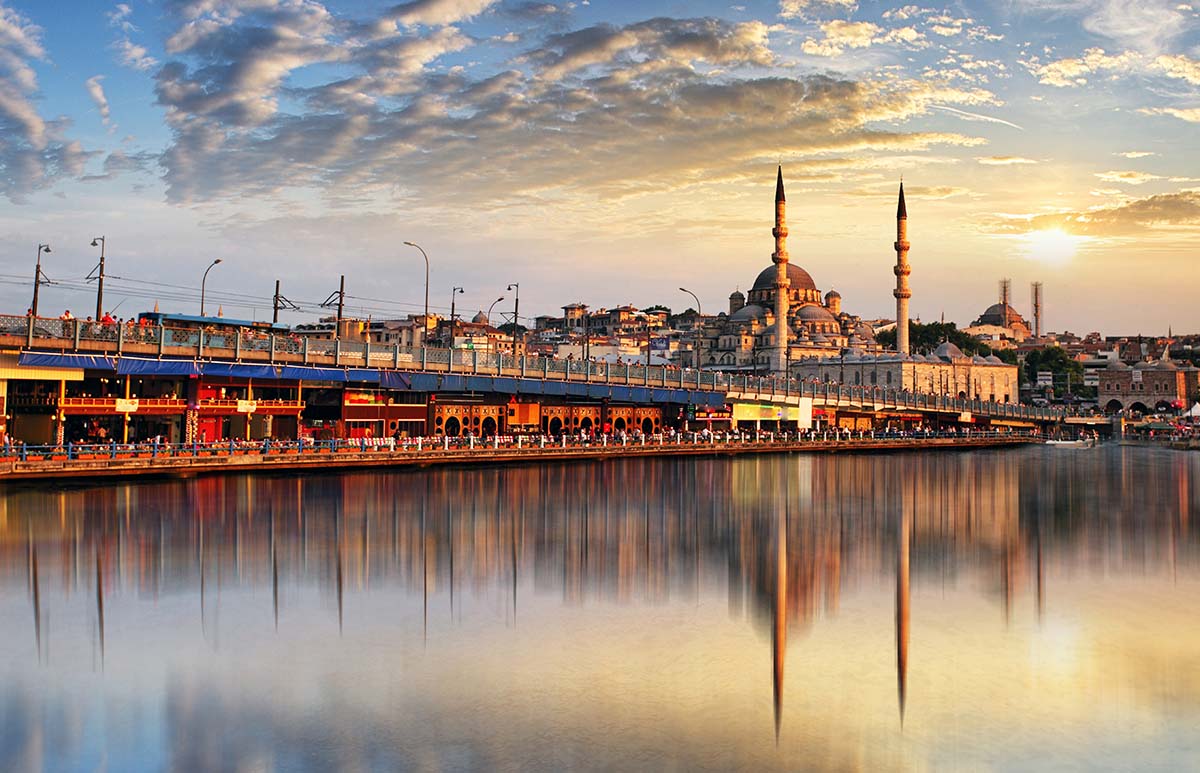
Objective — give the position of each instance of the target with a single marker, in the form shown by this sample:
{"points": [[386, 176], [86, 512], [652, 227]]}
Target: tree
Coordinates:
{"points": [[1067, 371], [924, 338]]}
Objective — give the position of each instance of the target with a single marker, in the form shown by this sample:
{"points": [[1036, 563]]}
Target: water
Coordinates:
{"points": [[1017, 609]]}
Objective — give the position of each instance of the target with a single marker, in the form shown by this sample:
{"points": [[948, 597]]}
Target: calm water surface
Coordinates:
{"points": [[1031, 609]]}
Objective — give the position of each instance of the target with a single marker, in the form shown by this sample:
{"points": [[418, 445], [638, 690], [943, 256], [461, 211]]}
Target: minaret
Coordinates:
{"points": [[782, 283], [902, 271]]}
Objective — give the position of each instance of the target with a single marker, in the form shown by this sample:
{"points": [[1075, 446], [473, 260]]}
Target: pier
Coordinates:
{"points": [[147, 460]]}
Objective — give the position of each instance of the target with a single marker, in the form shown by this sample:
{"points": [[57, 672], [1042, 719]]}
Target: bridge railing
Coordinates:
{"points": [[260, 345]]}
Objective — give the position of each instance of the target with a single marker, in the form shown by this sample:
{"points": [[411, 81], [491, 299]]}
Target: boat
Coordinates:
{"points": [[1085, 443]]}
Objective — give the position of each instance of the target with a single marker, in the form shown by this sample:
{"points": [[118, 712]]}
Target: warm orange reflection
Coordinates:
{"points": [[517, 568]]}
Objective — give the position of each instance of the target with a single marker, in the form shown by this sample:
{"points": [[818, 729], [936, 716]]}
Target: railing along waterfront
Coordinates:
{"points": [[482, 446], [252, 345]]}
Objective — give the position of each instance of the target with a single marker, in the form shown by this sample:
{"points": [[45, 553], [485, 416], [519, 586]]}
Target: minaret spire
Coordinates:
{"points": [[902, 270], [782, 283]]}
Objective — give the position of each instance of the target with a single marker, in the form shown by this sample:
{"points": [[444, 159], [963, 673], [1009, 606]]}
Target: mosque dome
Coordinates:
{"points": [[1001, 314], [737, 295], [749, 312], [1143, 365], [810, 312], [1166, 365], [1116, 365], [993, 360], [948, 351], [832, 294], [864, 331], [798, 277], [480, 318]]}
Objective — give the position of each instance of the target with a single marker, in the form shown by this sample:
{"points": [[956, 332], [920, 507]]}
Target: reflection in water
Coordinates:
{"points": [[648, 589]]}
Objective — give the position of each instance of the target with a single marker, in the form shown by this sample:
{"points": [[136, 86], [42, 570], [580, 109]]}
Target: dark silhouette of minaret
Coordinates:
{"points": [[779, 617], [903, 541]]}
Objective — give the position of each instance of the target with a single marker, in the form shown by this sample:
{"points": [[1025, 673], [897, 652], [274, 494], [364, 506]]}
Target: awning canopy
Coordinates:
{"points": [[55, 360], [132, 366], [239, 370], [304, 373]]}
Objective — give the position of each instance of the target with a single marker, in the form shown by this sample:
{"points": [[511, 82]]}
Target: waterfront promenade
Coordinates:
{"points": [[187, 460]]}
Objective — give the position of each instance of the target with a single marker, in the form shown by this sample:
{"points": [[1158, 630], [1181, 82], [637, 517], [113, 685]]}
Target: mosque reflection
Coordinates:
{"points": [[784, 535]]}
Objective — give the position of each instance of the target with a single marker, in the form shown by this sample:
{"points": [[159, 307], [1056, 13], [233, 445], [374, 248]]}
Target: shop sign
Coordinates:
{"points": [[1045, 378], [246, 406], [1091, 379], [126, 406]]}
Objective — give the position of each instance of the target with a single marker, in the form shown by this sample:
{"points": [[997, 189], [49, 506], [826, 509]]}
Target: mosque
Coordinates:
{"points": [[818, 340], [745, 338]]}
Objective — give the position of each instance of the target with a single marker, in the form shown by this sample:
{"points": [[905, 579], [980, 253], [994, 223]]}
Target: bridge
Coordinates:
{"points": [[253, 353]]}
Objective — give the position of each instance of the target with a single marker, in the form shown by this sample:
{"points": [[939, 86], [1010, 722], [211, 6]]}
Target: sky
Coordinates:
{"points": [[602, 151]]}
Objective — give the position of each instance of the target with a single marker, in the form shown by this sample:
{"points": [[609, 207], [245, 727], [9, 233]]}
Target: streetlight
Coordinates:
{"points": [[203, 281], [699, 322], [99, 242], [456, 291], [489, 312], [37, 278], [516, 309], [426, 320]]}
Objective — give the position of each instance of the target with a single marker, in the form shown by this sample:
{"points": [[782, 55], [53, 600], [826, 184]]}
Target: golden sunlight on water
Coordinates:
{"points": [[1026, 609]]}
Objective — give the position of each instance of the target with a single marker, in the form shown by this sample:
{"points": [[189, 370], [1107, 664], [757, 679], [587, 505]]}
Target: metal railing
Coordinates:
{"points": [[258, 346]]}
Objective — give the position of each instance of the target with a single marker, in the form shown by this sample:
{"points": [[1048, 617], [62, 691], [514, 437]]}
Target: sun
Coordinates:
{"points": [[1052, 245]]}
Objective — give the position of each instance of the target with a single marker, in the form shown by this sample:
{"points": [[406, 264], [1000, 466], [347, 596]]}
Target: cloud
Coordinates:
{"points": [[1004, 160], [1128, 177], [1168, 210], [796, 9], [134, 56], [839, 35], [438, 12], [1181, 67], [601, 112], [1189, 114], [96, 92], [1135, 154], [1075, 71], [34, 152], [1146, 26]]}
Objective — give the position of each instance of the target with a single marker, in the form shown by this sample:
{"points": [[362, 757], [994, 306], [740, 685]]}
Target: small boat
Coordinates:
{"points": [[1085, 443]]}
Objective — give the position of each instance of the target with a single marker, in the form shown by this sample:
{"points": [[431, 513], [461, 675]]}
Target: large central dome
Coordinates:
{"points": [[799, 278]]}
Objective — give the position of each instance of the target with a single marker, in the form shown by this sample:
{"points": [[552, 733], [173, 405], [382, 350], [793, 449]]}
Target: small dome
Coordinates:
{"points": [[737, 295], [978, 360], [1116, 365], [994, 360], [810, 312], [864, 331], [748, 313], [1143, 366], [1002, 315], [916, 358], [1166, 365], [818, 338], [948, 351], [480, 318], [798, 277], [832, 294]]}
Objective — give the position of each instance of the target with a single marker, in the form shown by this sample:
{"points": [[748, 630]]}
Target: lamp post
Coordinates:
{"points": [[99, 242], [203, 281], [489, 311], [37, 278], [696, 335], [453, 297], [426, 320], [516, 311]]}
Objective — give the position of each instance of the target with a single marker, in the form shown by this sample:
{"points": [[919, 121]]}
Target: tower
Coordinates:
{"points": [[902, 293], [782, 283], [1036, 289]]}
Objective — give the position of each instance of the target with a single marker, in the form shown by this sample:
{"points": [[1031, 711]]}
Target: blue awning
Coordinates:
{"points": [[424, 382], [577, 390], [506, 385], [639, 395], [304, 373], [238, 370], [453, 384], [660, 395], [362, 374], [391, 379], [529, 386], [131, 366], [622, 394], [554, 388], [715, 399], [598, 391], [479, 383], [48, 360]]}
